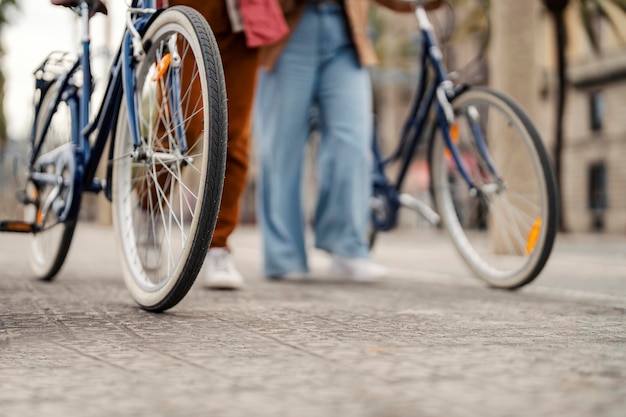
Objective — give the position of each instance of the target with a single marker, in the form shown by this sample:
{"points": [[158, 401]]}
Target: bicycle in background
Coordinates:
{"points": [[491, 180], [163, 116]]}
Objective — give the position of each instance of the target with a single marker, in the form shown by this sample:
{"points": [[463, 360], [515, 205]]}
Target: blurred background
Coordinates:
{"points": [[564, 61]]}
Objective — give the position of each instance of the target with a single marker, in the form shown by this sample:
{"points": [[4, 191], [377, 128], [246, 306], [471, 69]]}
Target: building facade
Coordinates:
{"points": [[522, 63]]}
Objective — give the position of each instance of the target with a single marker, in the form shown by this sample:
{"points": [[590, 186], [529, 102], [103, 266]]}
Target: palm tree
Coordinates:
{"points": [[5, 6], [556, 9]]}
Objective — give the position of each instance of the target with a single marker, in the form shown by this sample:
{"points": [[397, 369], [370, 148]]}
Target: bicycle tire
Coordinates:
{"points": [[49, 247], [505, 232], [163, 215]]}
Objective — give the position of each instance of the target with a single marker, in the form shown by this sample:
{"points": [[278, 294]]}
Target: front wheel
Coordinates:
{"points": [[167, 190], [503, 227]]}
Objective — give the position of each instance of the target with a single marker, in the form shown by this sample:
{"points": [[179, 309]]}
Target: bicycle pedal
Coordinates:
{"points": [[18, 226]]}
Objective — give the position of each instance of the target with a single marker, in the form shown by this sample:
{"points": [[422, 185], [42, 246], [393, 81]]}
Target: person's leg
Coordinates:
{"points": [[344, 158], [281, 129], [240, 67]]}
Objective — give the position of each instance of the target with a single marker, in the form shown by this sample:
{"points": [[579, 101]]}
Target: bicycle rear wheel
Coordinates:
{"points": [[167, 191], [505, 227], [50, 246]]}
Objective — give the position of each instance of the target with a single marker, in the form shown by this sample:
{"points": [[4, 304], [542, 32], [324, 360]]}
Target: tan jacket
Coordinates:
{"points": [[357, 13]]}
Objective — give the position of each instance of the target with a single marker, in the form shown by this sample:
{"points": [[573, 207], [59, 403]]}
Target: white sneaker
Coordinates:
{"points": [[219, 271], [357, 269]]}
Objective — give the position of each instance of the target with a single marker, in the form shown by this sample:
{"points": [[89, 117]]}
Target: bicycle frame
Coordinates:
{"points": [[86, 156], [440, 92]]}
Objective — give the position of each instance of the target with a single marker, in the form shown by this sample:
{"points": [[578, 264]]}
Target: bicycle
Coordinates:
{"points": [[491, 180], [163, 116]]}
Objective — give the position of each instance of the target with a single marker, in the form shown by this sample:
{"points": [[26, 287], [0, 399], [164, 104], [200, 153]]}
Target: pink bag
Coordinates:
{"points": [[263, 22]]}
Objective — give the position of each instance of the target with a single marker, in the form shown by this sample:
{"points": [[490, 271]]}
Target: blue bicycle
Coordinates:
{"points": [[491, 179], [163, 117]]}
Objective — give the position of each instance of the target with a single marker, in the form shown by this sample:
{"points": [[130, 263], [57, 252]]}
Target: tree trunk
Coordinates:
{"points": [[560, 32], [514, 70]]}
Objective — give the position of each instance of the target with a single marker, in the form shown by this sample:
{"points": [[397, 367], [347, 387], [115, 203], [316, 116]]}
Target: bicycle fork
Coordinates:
{"points": [[450, 132]]}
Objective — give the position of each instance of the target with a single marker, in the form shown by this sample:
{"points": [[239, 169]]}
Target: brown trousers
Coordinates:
{"points": [[240, 67]]}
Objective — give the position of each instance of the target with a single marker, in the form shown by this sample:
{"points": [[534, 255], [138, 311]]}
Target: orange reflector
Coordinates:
{"points": [[533, 235], [454, 135], [39, 216], [162, 66]]}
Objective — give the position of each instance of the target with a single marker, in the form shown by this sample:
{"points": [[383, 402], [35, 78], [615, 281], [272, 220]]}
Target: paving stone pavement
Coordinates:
{"points": [[428, 341]]}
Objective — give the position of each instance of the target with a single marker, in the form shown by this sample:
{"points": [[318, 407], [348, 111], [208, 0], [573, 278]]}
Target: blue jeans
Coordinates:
{"points": [[318, 68]]}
